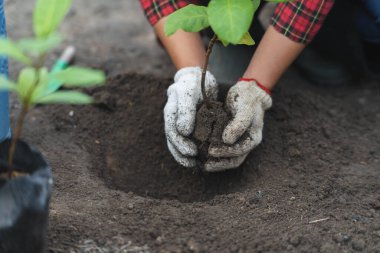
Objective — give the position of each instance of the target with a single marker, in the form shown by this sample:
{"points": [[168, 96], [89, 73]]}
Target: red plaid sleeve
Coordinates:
{"points": [[157, 9], [300, 20]]}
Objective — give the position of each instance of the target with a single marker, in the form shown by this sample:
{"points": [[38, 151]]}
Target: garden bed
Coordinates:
{"points": [[311, 186], [116, 185]]}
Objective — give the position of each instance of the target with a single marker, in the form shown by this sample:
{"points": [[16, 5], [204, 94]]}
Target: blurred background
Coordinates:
{"points": [[113, 35]]}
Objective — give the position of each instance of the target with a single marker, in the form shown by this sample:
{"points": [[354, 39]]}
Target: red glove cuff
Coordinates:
{"points": [[258, 84]]}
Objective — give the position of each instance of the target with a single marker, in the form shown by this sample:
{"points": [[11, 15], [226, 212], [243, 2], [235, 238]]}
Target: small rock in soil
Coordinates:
{"points": [[346, 238], [338, 238], [259, 194], [193, 246], [256, 199], [159, 240], [358, 244], [356, 218], [295, 240]]}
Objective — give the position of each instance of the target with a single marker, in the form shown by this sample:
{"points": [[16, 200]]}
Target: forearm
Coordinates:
{"points": [[184, 48], [274, 55]]}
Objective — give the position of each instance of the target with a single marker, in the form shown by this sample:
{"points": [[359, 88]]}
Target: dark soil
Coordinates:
{"points": [[320, 157], [210, 122], [311, 186], [132, 154]]}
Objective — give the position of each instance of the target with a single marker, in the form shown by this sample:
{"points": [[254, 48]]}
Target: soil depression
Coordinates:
{"points": [[319, 158]]}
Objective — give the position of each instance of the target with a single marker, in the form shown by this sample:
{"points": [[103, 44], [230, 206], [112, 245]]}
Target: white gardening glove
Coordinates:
{"points": [[180, 111], [247, 101]]}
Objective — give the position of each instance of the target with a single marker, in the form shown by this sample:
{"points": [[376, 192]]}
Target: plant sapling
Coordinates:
{"points": [[230, 21], [32, 86]]}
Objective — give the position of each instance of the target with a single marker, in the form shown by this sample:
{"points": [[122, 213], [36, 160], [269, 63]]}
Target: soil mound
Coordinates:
{"points": [[209, 126], [131, 154]]}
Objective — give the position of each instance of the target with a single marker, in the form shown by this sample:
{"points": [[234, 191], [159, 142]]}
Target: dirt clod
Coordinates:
{"points": [[210, 123], [358, 244]]}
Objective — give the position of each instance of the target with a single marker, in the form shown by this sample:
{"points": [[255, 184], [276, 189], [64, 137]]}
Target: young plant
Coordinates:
{"points": [[230, 21], [32, 86]]}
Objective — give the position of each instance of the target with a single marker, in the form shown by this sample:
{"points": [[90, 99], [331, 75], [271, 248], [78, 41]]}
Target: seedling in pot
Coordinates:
{"points": [[32, 86], [230, 21]]}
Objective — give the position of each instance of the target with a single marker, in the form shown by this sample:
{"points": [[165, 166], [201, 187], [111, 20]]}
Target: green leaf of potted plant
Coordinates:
{"points": [[25, 176]]}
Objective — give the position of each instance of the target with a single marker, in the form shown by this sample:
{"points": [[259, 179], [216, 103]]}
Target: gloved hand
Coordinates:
{"points": [[180, 112], [247, 101]]}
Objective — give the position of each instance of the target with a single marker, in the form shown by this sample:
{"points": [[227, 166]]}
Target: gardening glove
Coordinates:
{"points": [[180, 111], [247, 102]]}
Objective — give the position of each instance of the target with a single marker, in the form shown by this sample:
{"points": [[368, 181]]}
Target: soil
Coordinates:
{"points": [[311, 186], [210, 122], [319, 160]]}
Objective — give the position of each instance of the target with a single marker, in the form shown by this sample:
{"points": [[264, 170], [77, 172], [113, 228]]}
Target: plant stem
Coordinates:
{"points": [[15, 137], [204, 70], [21, 119]]}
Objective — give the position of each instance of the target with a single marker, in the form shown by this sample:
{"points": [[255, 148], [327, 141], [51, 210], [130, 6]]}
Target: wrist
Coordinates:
{"points": [[260, 85], [194, 71]]}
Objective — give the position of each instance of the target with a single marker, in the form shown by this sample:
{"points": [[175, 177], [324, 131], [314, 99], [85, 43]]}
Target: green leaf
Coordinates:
{"points": [[278, 1], [5, 84], [247, 40], [42, 86], [230, 19], [65, 97], [44, 78], [256, 5], [192, 18], [225, 44], [26, 80], [10, 49], [79, 77], [40, 46], [48, 15]]}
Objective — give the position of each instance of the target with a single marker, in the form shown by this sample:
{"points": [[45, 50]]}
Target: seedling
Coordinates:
{"points": [[230, 21], [32, 85]]}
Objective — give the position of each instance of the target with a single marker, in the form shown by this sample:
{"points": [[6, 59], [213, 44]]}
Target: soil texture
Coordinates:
{"points": [[211, 120], [311, 186]]}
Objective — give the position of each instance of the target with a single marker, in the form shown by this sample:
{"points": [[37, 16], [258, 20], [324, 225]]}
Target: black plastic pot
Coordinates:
{"points": [[24, 201]]}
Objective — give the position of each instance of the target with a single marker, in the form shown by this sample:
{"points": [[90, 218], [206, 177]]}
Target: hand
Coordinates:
{"points": [[180, 112], [247, 101]]}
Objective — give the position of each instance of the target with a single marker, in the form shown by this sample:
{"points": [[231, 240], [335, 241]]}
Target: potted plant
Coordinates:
{"points": [[25, 176], [230, 21]]}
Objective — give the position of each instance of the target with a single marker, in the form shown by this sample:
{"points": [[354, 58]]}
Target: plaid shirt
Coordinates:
{"points": [[299, 20]]}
